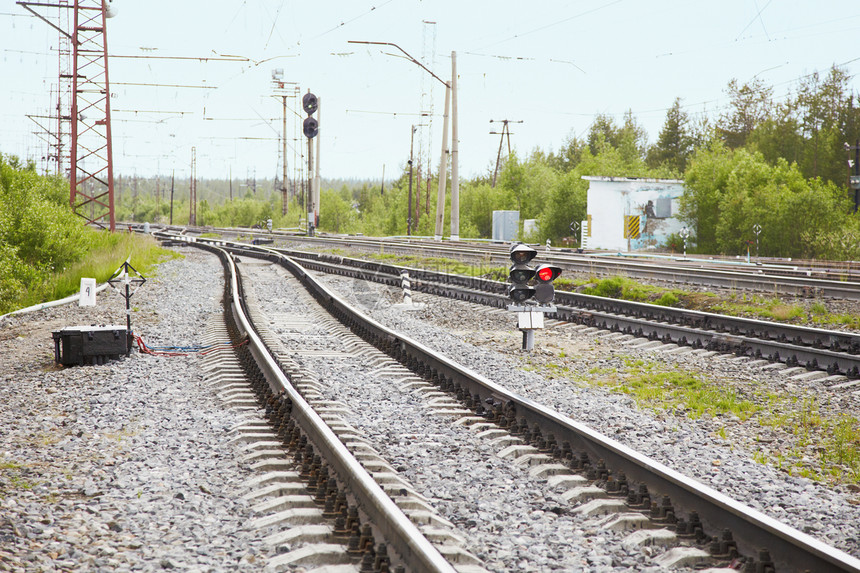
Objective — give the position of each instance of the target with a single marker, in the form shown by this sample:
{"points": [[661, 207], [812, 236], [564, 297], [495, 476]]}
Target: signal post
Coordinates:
{"points": [[531, 291], [311, 128]]}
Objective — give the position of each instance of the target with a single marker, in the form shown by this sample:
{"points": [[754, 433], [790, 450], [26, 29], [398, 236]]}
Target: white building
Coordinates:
{"points": [[630, 214]]}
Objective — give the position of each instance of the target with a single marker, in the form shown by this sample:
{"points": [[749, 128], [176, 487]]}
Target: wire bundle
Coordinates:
{"points": [[183, 350]]}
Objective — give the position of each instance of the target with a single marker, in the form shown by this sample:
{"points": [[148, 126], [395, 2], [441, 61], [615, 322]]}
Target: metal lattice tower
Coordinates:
{"points": [[56, 124], [91, 172], [64, 95]]}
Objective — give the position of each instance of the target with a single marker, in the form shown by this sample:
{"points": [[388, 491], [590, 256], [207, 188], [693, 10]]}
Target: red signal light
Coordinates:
{"points": [[545, 274]]}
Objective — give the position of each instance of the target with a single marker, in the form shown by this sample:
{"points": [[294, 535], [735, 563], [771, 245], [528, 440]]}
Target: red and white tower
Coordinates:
{"points": [[91, 173]]}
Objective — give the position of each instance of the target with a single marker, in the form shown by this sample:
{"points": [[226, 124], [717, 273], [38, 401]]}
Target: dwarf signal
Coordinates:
{"points": [[531, 291]]}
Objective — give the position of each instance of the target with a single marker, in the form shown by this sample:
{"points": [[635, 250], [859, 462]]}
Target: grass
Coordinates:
{"points": [[775, 309], [744, 304], [825, 447], [813, 443], [10, 477], [441, 264], [108, 251], [676, 390]]}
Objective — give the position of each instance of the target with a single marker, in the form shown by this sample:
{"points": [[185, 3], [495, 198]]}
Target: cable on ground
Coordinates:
{"points": [[183, 350]]}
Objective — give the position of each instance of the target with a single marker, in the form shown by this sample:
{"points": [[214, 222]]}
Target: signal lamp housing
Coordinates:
{"points": [[544, 289]]}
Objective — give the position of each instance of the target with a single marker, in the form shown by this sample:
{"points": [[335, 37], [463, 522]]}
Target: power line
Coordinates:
{"points": [[553, 24]]}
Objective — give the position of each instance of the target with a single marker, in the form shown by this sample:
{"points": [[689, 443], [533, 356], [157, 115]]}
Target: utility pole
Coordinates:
{"points": [[451, 88], [192, 194], [455, 155], [857, 175], [410, 219], [506, 131], [284, 187], [409, 212], [91, 184], [854, 182], [443, 168], [279, 85], [172, 179]]}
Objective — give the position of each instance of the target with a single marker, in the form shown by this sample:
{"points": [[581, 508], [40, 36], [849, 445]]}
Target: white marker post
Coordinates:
{"points": [[88, 292], [407, 303]]}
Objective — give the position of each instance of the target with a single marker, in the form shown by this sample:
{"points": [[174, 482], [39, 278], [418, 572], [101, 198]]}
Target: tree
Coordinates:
{"points": [[478, 200], [705, 180], [527, 184], [602, 132], [750, 106], [827, 118], [569, 155], [566, 204], [674, 144], [631, 138], [336, 212], [729, 192], [779, 136]]}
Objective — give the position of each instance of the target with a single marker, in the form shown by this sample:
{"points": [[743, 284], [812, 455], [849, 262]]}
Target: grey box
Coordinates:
{"points": [[505, 225]]}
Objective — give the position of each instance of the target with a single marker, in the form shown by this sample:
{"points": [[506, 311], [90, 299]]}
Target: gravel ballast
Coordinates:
{"points": [[124, 466], [127, 466], [687, 445]]}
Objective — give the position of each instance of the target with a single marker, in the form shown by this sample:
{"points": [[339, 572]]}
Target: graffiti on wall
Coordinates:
{"points": [[653, 221]]}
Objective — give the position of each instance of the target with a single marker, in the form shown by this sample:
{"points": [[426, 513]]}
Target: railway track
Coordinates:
{"points": [[804, 279], [554, 446], [822, 352], [340, 484]]}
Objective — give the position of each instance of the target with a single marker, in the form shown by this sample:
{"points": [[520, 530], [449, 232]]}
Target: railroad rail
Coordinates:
{"points": [[835, 352], [279, 395], [551, 435], [803, 279], [793, 280]]}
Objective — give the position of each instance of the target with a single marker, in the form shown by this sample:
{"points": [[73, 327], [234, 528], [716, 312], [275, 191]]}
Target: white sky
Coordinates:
{"points": [[552, 64]]}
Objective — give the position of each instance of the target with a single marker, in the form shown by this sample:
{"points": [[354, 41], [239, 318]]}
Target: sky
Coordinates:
{"points": [[550, 64]]}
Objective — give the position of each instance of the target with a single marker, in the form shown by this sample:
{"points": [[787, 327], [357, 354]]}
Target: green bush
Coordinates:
{"points": [[45, 248], [667, 299]]}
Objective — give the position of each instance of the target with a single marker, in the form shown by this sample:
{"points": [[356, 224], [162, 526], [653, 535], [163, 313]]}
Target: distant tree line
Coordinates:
{"points": [[777, 162]]}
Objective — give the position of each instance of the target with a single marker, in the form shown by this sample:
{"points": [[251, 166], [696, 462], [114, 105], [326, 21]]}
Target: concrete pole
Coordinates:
{"points": [[409, 211], [443, 169], [317, 169], [455, 155], [309, 193], [284, 193]]}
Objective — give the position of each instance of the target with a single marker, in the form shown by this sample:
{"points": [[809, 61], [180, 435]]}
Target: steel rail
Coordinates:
{"points": [[791, 549], [404, 538], [777, 278], [757, 278], [814, 348]]}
